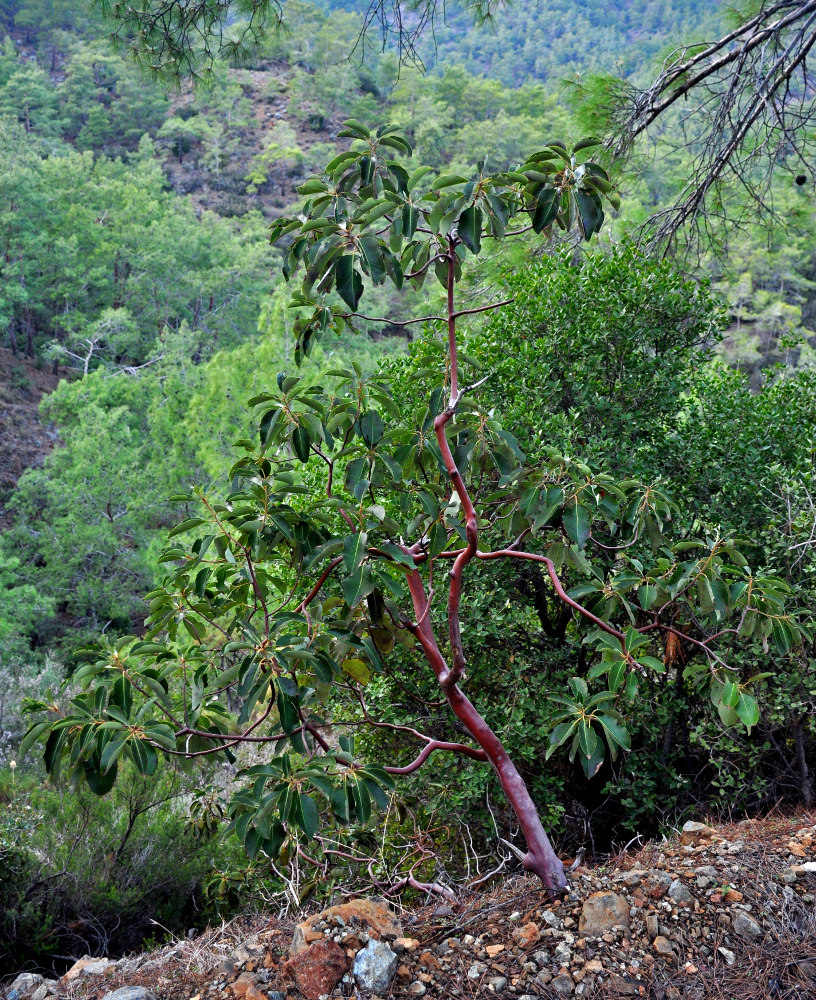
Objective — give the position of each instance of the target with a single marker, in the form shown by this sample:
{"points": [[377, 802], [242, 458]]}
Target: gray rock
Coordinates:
{"points": [[563, 984], [130, 993], [551, 919], [276, 995], [652, 925], [476, 971], [98, 968], [729, 956], [694, 833], [375, 967], [809, 866], [563, 954], [498, 983], [679, 893], [807, 969], [746, 926], [27, 983], [417, 989], [708, 870], [47, 989]]}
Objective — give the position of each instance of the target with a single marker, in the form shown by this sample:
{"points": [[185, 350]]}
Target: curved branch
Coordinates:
{"points": [[432, 747]]}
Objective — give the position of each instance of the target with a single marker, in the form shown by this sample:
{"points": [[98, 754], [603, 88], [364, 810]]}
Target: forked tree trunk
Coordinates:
{"points": [[540, 859]]}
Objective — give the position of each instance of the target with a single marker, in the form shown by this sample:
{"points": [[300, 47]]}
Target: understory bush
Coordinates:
{"points": [[88, 875]]}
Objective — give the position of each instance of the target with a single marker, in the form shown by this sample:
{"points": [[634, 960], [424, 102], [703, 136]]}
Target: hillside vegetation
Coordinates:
{"points": [[142, 305]]}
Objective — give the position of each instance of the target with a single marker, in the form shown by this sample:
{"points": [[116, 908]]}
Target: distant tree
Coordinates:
{"points": [[742, 107], [348, 517], [179, 38]]}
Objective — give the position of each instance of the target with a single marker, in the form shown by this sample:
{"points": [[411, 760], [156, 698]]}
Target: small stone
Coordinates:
{"points": [[476, 971], [601, 912], [733, 896], [662, 946], [746, 926], [130, 993], [27, 983], [633, 877], [694, 833], [375, 967], [563, 984], [807, 970], [594, 966], [406, 944], [729, 956], [497, 983], [652, 926], [809, 866], [679, 893], [563, 953], [417, 989], [552, 920], [787, 877], [796, 849], [494, 949], [526, 936], [624, 986]]}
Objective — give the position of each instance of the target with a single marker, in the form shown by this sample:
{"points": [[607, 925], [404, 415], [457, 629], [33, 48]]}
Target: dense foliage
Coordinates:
{"points": [[135, 262]]}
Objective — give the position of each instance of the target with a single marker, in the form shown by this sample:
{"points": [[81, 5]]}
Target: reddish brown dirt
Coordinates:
{"points": [[512, 941]]}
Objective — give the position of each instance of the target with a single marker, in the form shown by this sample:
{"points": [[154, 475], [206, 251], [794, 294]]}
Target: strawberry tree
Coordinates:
{"points": [[344, 540]]}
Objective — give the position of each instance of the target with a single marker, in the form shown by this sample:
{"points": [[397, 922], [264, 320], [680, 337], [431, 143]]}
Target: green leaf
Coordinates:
{"points": [[647, 595], [748, 710], [301, 440], [470, 229], [652, 661], [309, 815], [313, 186], [371, 427], [31, 737], [546, 209], [373, 256], [99, 783], [357, 670], [357, 586], [616, 734], [586, 144], [576, 521], [186, 525], [446, 180], [354, 550], [590, 216], [559, 736], [349, 282]]}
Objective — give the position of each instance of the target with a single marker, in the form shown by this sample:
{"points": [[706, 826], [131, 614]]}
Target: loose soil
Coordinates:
{"points": [[725, 913]]}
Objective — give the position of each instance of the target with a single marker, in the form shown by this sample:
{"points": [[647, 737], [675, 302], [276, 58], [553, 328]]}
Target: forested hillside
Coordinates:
{"points": [[141, 297]]}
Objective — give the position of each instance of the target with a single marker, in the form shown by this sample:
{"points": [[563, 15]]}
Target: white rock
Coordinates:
{"points": [[375, 967]]}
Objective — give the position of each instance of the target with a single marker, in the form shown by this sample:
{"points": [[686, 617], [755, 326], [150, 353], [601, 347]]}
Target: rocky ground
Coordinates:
{"points": [[26, 441], [724, 913]]}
